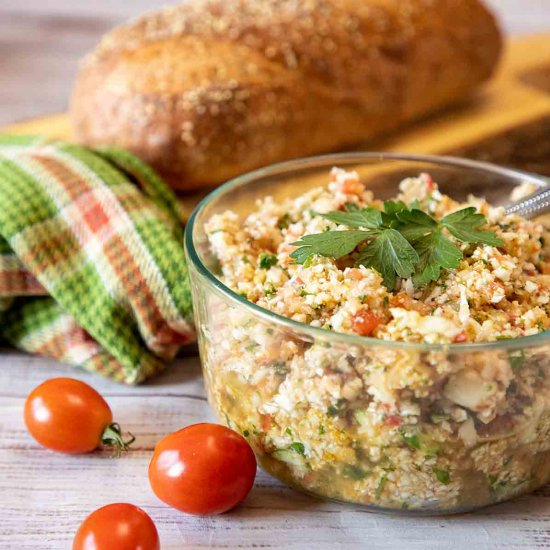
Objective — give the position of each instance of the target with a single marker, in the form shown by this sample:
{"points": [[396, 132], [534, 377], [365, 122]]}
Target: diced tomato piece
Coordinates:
{"points": [[352, 187], [365, 322], [393, 421], [430, 185], [354, 273], [265, 422], [462, 337]]}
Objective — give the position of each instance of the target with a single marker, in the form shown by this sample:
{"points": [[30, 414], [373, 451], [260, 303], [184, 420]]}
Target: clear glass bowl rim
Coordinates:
{"points": [[339, 337]]}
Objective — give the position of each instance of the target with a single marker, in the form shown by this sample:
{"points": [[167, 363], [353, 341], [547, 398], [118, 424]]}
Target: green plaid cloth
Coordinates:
{"points": [[92, 268]]}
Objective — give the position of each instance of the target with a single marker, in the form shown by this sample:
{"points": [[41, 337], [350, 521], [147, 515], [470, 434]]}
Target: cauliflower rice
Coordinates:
{"points": [[374, 423]]}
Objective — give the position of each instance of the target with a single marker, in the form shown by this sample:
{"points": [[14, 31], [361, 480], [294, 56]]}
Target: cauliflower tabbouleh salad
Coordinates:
{"points": [[392, 426]]}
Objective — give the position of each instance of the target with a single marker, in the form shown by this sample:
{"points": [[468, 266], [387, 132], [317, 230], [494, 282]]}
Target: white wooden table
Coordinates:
{"points": [[44, 496]]}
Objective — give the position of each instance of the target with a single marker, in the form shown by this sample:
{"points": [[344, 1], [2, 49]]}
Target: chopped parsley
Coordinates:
{"points": [[381, 485], [267, 260], [270, 290], [411, 440], [442, 476], [430, 449], [284, 221], [298, 447], [354, 472]]}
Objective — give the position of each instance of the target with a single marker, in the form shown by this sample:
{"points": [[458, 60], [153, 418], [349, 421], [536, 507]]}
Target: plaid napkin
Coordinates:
{"points": [[92, 268]]}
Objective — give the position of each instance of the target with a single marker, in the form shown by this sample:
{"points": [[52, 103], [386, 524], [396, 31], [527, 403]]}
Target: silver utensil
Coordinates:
{"points": [[533, 205]]}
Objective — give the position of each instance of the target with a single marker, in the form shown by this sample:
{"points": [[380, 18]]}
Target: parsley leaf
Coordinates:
{"points": [[464, 226], [415, 224], [351, 207], [332, 244], [370, 218], [393, 207], [390, 254], [400, 241], [436, 252]]}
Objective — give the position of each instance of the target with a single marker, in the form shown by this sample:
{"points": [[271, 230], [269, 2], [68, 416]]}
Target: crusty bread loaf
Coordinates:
{"points": [[210, 89]]}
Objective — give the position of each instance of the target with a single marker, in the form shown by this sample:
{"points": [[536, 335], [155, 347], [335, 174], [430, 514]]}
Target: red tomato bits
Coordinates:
{"points": [[365, 322]]}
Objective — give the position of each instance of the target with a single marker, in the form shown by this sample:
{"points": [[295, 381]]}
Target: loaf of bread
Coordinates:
{"points": [[210, 89]]}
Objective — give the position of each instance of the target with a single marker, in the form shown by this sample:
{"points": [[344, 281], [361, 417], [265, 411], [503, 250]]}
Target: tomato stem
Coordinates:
{"points": [[112, 437]]}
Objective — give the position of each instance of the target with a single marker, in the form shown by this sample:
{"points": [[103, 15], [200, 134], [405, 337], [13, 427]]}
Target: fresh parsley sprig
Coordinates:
{"points": [[400, 241]]}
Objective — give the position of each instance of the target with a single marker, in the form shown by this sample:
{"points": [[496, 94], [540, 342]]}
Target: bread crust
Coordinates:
{"points": [[210, 89]]}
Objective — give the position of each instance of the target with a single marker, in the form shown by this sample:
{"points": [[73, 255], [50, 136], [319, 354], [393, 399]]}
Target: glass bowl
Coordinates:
{"points": [[305, 398]]}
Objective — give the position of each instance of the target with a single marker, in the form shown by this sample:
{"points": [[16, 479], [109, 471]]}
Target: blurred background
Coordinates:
{"points": [[41, 42]]}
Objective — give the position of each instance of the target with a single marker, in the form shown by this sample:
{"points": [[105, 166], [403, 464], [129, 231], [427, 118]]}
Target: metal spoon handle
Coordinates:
{"points": [[534, 205]]}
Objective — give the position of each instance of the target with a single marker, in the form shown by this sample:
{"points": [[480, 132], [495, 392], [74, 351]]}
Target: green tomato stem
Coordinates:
{"points": [[112, 437]]}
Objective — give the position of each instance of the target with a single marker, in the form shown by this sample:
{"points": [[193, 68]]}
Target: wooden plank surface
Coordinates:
{"points": [[45, 495]]}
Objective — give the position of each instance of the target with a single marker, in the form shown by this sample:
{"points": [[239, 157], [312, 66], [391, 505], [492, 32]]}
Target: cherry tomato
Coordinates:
{"points": [[202, 469], [365, 322], [68, 416], [117, 527]]}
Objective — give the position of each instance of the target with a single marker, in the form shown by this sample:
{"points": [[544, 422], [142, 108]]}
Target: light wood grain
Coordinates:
{"points": [[44, 495]]}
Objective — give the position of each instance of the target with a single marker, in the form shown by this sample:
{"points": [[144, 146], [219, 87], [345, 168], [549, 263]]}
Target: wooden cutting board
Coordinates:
{"points": [[506, 122]]}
